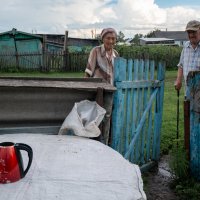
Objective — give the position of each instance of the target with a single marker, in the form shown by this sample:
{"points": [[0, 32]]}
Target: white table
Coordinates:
{"points": [[73, 168]]}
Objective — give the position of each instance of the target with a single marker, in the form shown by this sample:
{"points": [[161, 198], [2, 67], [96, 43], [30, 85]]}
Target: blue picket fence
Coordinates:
{"points": [[193, 83], [137, 111]]}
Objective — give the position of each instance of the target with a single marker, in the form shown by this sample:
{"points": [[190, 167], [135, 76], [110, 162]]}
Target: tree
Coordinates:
{"points": [[151, 33], [120, 37], [136, 39]]}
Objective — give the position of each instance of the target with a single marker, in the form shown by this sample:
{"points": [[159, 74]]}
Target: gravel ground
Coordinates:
{"points": [[157, 182]]}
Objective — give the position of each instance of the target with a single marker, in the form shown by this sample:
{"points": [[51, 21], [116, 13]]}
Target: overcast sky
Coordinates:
{"points": [[80, 17]]}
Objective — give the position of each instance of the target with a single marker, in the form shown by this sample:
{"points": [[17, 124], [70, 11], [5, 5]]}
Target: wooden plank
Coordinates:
{"points": [[193, 81], [138, 84], [149, 129], [90, 86], [116, 109], [158, 112], [140, 110], [144, 131], [134, 108], [137, 131], [119, 75], [122, 124], [116, 119], [122, 77], [128, 106], [161, 77], [120, 72]]}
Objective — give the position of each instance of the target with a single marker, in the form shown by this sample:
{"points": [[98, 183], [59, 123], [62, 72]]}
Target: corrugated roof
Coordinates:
{"points": [[176, 35], [14, 31]]}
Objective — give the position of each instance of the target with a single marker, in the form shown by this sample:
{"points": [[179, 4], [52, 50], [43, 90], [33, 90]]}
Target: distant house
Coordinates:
{"points": [[179, 37], [20, 49], [17, 41], [154, 41]]}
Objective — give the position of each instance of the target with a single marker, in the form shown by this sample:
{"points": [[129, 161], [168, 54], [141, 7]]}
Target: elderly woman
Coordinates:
{"points": [[101, 58]]}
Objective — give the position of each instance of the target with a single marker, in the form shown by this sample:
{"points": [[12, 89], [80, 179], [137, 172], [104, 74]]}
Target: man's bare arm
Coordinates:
{"points": [[178, 82]]}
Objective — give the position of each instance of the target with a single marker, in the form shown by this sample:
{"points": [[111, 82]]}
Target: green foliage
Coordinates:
{"points": [[86, 49], [179, 163], [136, 39], [187, 189], [120, 37], [77, 49], [169, 54], [151, 33]]}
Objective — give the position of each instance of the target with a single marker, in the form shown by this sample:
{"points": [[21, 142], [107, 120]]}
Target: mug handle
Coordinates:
{"points": [[28, 149]]}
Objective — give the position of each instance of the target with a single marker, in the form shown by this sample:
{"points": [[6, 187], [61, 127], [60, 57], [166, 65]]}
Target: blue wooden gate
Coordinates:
{"points": [[193, 83], [137, 111]]}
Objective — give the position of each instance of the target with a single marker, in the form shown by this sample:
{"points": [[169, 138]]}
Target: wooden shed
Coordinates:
{"points": [[20, 49], [17, 41]]}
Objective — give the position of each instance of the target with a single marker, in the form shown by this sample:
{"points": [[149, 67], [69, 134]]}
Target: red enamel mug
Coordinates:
{"points": [[11, 162]]}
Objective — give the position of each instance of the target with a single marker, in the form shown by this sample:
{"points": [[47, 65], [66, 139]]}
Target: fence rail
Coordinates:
{"points": [[43, 61]]}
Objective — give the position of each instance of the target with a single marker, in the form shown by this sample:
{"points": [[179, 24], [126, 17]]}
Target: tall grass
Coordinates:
{"points": [[169, 122]]}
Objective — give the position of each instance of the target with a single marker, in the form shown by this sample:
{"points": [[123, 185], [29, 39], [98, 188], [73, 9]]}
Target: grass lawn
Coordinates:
{"points": [[169, 121]]}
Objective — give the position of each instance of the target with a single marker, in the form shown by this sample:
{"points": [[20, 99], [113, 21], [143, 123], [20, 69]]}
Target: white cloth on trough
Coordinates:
{"points": [[75, 168]]}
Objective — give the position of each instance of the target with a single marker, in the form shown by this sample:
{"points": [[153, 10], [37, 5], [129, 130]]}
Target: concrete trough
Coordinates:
{"points": [[40, 105]]}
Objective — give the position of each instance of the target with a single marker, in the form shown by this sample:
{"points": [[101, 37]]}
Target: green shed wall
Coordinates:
{"points": [[24, 43]]}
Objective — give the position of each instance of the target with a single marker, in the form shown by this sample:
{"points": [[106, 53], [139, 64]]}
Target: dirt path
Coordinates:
{"points": [[157, 182]]}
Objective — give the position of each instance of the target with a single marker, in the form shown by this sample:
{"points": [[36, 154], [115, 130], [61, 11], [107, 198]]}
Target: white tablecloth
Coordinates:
{"points": [[73, 168]]}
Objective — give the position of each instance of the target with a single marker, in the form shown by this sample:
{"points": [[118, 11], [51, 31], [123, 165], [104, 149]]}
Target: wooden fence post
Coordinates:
{"points": [[193, 83], [44, 56], [66, 53]]}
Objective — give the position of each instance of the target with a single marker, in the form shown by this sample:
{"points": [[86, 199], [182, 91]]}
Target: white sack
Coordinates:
{"points": [[84, 119]]}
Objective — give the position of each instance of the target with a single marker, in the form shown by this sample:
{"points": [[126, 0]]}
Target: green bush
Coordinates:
{"points": [[169, 54]]}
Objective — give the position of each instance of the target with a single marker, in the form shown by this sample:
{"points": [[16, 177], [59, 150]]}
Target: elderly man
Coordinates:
{"points": [[190, 56], [189, 61]]}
